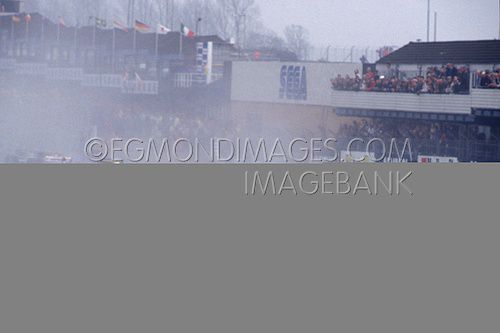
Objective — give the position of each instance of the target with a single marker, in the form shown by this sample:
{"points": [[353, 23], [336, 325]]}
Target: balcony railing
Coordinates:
{"points": [[77, 75], [187, 80], [465, 150], [424, 103]]}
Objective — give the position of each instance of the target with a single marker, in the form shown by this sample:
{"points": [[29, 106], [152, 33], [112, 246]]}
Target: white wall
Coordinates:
{"points": [[455, 104], [262, 81], [452, 104]]}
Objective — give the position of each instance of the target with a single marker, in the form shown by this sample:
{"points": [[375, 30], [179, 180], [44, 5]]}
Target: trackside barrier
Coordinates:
{"points": [[65, 74], [111, 81], [187, 80], [140, 87], [77, 75], [37, 69], [102, 81], [7, 64], [91, 80]]}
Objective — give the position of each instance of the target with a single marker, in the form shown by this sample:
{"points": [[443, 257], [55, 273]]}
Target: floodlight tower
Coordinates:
{"points": [[428, 20]]}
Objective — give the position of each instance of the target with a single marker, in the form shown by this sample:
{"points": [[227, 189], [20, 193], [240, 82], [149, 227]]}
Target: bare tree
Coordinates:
{"points": [[222, 19], [297, 40], [242, 12], [130, 12], [193, 10], [226, 18], [265, 39]]}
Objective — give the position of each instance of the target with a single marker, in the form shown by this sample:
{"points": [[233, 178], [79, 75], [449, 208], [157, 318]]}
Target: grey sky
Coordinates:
{"points": [[382, 22]]}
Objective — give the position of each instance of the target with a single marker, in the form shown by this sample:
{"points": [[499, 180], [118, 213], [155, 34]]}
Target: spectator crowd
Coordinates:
{"points": [[447, 79], [488, 79], [388, 128], [426, 137]]}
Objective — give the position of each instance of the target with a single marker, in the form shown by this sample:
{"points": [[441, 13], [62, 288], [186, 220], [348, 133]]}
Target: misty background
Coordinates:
{"points": [[304, 27], [59, 118]]}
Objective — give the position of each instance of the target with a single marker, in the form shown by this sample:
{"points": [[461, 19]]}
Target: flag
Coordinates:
{"points": [[119, 25], [62, 23], [16, 19], [27, 18], [162, 30], [186, 31], [100, 23], [141, 27]]}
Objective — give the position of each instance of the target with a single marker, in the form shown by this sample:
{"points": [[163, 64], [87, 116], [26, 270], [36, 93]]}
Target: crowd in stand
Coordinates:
{"points": [[426, 137], [438, 80], [72, 116], [488, 79], [440, 133], [124, 124]]}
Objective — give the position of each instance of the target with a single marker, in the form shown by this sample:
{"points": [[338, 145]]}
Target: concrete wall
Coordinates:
{"points": [[285, 121], [450, 104]]}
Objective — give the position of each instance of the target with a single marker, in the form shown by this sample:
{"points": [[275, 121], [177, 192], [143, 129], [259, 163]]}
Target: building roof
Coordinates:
{"points": [[84, 36], [210, 38], [456, 52]]}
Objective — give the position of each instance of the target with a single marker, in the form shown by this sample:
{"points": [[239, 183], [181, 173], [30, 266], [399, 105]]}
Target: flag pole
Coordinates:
{"points": [[135, 45], [75, 39], [27, 27], [59, 32], [42, 38], [135, 41], [156, 45], [12, 29], [94, 34], [180, 45], [156, 52], [114, 50]]}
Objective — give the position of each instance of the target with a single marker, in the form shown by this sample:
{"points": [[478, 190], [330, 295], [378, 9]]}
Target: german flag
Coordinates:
{"points": [[141, 27]]}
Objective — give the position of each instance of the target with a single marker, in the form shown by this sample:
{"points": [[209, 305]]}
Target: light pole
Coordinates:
{"points": [[435, 26], [198, 21], [428, 20], [238, 33]]}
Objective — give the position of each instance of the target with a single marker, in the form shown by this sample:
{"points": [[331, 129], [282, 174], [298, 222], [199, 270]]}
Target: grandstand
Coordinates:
{"points": [[443, 96], [35, 41], [451, 85], [9, 6]]}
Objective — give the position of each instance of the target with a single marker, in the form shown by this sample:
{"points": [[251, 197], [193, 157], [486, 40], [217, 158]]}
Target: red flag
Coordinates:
{"points": [[119, 25], [62, 23]]}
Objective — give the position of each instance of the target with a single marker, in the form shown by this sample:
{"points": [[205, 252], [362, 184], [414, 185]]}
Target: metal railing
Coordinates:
{"points": [[465, 150], [476, 82], [188, 80]]}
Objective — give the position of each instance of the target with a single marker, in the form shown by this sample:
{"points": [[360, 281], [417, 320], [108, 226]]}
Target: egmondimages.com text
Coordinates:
{"points": [[246, 150]]}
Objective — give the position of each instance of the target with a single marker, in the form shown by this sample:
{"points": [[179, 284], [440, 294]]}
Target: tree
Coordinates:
{"points": [[193, 10], [165, 9], [297, 40], [226, 18], [265, 39]]}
